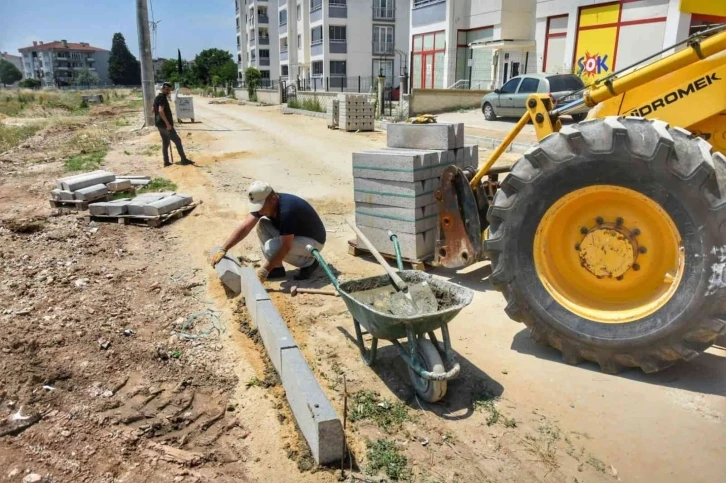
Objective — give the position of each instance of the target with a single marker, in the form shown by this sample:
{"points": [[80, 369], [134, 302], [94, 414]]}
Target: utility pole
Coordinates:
{"points": [[147, 65]]}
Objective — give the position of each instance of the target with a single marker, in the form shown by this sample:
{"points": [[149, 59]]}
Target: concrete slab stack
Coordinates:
{"points": [[355, 112], [394, 186]]}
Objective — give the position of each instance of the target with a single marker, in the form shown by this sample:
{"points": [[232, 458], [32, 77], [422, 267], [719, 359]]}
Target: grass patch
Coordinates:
{"points": [[11, 136], [253, 382], [544, 444], [85, 162], [306, 104], [158, 185], [367, 405], [41, 103], [383, 455], [152, 150]]}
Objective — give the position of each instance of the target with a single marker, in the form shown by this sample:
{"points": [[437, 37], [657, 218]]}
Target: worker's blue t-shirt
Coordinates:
{"points": [[296, 217]]}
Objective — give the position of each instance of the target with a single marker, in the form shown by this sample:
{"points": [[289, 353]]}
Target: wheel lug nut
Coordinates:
{"points": [[636, 267], [620, 277], [577, 247], [600, 220], [584, 230], [619, 221], [643, 250], [636, 232]]}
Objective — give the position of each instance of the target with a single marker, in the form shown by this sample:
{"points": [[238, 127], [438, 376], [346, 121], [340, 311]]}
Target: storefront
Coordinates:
{"points": [[592, 41]]}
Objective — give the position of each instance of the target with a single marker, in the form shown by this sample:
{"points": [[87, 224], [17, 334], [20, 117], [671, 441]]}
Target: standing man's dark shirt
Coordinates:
{"points": [[296, 217], [161, 102]]}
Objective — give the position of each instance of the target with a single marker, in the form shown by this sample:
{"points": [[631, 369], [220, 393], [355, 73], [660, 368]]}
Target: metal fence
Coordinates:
{"points": [[359, 84]]}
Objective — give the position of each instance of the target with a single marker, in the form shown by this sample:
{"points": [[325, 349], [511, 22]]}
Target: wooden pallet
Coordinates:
{"points": [[357, 251], [143, 220], [76, 205]]}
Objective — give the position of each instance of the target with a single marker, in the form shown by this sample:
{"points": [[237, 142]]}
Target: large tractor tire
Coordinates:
{"points": [[608, 241]]}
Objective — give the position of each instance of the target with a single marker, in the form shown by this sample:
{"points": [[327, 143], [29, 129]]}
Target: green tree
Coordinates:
{"points": [[228, 72], [208, 63], [179, 66], [9, 74], [87, 78], [123, 68], [169, 71], [252, 81], [29, 83]]}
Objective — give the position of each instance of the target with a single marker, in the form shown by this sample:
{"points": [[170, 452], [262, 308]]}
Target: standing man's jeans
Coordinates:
{"points": [[166, 137], [270, 242]]}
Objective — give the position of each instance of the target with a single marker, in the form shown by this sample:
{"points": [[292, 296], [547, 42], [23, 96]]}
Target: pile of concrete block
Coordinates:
{"points": [[334, 114], [394, 186], [83, 187], [145, 205], [355, 113]]}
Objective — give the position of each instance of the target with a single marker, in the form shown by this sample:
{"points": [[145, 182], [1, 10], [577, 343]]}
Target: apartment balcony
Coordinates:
{"points": [[264, 40], [61, 57], [283, 55], [282, 2], [316, 47], [61, 67], [383, 48], [264, 61], [337, 10], [252, 42], [317, 14], [263, 19], [384, 13], [338, 46]]}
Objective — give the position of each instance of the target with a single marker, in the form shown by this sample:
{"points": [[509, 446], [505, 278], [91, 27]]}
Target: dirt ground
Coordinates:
{"points": [[154, 406]]}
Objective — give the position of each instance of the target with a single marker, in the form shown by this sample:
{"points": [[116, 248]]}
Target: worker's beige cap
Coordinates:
{"points": [[258, 193]]}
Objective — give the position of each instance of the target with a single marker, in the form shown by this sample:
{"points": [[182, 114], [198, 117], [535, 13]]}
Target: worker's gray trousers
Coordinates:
{"points": [[270, 242]]}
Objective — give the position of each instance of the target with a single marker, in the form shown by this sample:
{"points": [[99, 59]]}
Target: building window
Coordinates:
{"points": [[316, 5], [383, 39], [264, 54], [424, 3], [337, 3], [337, 68], [298, 12], [427, 69], [284, 70], [299, 42], [337, 33], [316, 35], [265, 74], [76, 55], [317, 68], [384, 10], [283, 17]]}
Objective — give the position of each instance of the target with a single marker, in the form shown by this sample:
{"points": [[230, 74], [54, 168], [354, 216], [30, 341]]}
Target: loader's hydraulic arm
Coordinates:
{"points": [[460, 207]]}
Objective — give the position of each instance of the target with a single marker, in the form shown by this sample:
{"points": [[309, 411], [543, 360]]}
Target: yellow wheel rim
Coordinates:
{"points": [[609, 254]]}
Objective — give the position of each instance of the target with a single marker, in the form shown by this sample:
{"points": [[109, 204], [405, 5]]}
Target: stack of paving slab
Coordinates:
{"points": [[134, 180], [83, 187], [145, 205], [394, 186], [355, 113]]}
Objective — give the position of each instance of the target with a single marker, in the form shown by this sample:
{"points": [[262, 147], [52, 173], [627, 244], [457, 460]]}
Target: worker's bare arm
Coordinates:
{"points": [[241, 232]]}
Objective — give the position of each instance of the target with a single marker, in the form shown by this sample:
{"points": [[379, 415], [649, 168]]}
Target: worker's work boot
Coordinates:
{"points": [[186, 162], [277, 273], [306, 272]]}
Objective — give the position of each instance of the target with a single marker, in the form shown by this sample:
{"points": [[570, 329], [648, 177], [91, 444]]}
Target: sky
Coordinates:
{"points": [[189, 25]]}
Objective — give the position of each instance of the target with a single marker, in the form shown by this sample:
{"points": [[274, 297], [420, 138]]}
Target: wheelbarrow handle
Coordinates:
{"points": [[397, 247], [316, 253]]}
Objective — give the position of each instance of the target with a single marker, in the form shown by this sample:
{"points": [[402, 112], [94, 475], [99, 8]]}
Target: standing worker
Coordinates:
{"points": [[286, 224], [165, 124]]}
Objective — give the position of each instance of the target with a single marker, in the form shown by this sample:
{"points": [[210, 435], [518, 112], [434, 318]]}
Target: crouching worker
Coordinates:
{"points": [[286, 224]]}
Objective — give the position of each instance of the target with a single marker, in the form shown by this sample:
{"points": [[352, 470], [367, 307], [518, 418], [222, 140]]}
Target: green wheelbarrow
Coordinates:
{"points": [[430, 363]]}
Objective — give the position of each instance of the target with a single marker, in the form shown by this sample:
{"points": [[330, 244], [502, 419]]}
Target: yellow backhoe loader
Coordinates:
{"points": [[608, 238]]}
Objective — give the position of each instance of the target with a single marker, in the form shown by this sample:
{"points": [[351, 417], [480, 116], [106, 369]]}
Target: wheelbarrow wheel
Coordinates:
{"points": [[430, 359]]}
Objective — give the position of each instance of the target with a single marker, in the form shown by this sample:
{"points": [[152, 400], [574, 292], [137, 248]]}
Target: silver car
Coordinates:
{"points": [[510, 100]]}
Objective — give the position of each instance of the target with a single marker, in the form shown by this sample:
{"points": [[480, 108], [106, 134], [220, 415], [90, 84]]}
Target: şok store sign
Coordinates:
{"points": [[617, 35]]}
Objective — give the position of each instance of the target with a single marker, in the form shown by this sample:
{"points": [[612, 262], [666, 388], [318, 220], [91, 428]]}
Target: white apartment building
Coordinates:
{"points": [[329, 44], [257, 39], [593, 38], [57, 63], [477, 44]]}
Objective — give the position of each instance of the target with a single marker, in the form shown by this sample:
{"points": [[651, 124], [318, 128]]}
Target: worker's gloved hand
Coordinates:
{"points": [[262, 274], [217, 256]]}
